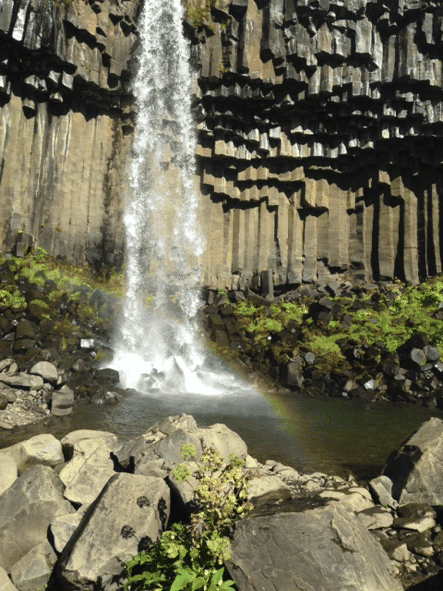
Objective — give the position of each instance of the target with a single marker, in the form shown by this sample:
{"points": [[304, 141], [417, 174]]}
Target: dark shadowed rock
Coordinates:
{"points": [[322, 549], [416, 467]]}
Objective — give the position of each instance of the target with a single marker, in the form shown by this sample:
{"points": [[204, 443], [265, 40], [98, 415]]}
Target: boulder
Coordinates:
{"points": [[42, 449], [267, 489], [5, 582], [87, 473], [130, 513], [46, 370], [33, 570], [22, 380], [8, 472], [416, 467], [26, 510], [220, 437], [376, 518], [381, 489], [81, 441], [62, 528], [165, 439], [62, 401], [322, 549]]}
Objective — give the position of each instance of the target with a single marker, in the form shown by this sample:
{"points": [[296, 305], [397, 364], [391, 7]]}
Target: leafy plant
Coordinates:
{"points": [[190, 556]]}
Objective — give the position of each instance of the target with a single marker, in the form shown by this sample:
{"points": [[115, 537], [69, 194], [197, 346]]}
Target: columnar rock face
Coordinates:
{"points": [[320, 139], [319, 123], [63, 68]]}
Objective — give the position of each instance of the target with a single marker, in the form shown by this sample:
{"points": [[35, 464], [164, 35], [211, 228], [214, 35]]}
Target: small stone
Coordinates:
{"points": [[46, 370], [62, 401], [418, 356], [87, 343], [431, 353], [5, 363]]}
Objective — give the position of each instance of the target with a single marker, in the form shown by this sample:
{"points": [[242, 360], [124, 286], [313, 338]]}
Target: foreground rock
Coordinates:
{"points": [[416, 468], [128, 515], [307, 531], [26, 510], [325, 548]]}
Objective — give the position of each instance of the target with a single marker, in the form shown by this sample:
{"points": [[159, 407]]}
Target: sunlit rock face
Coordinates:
{"points": [[320, 139], [319, 129], [63, 122]]}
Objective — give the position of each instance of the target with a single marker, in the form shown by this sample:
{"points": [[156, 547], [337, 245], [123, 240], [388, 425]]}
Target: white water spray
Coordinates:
{"points": [[157, 345]]}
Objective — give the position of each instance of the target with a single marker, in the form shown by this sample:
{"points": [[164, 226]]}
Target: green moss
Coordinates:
{"points": [[12, 298]]}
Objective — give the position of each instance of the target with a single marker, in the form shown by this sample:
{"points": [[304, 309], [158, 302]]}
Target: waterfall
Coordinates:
{"points": [[157, 345]]}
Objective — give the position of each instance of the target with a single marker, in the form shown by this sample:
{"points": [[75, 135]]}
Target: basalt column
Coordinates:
{"points": [[321, 139], [65, 124]]}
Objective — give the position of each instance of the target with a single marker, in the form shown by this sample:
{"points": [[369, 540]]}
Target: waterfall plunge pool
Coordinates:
{"points": [[328, 435]]}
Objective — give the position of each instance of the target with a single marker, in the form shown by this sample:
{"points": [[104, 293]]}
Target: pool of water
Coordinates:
{"points": [[329, 435]]}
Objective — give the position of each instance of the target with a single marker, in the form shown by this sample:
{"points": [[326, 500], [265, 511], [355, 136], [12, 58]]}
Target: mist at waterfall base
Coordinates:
{"points": [[158, 346]]}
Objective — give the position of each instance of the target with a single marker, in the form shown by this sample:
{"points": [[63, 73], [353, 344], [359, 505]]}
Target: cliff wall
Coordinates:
{"points": [[321, 139], [319, 128], [64, 114]]}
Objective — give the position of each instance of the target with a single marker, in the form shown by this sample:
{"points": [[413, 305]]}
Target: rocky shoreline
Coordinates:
{"points": [[348, 367], [65, 505], [67, 327]]}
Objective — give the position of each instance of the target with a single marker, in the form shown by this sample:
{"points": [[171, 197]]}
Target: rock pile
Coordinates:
{"points": [[73, 511], [48, 351], [412, 374]]}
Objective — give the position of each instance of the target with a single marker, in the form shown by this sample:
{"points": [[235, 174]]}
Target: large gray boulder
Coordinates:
{"points": [[26, 510], [321, 549], [165, 439], [131, 511], [80, 441], [416, 467], [88, 471], [42, 449]]}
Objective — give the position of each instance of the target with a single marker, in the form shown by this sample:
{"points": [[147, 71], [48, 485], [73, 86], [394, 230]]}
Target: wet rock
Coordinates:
{"points": [[22, 381], [62, 401]]}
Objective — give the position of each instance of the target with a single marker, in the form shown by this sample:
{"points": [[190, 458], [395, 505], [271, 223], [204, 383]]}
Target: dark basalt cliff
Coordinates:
{"points": [[320, 130]]}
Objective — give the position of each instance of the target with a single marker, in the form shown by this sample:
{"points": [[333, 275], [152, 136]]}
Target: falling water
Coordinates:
{"points": [[157, 345]]}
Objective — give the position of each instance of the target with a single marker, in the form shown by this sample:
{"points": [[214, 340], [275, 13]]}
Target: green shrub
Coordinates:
{"points": [[190, 556]]}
